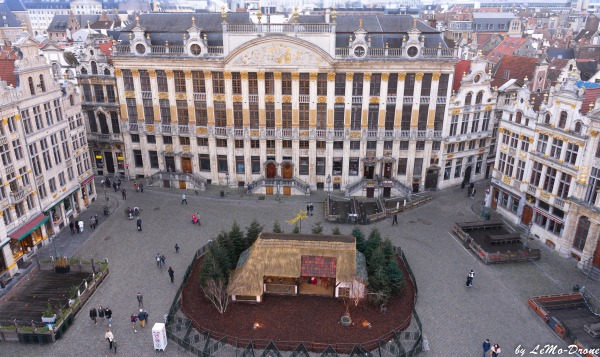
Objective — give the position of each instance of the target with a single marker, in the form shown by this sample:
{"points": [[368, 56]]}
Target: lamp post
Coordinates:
{"points": [[526, 240], [227, 178], [328, 182], [277, 196]]}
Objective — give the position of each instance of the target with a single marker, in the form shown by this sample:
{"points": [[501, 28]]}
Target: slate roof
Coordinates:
{"points": [[514, 67], [493, 15], [587, 67], [507, 47], [560, 53], [463, 66], [181, 22], [59, 22], [8, 19], [555, 68], [380, 23], [15, 5]]}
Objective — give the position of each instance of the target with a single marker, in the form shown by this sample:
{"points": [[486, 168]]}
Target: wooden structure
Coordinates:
{"points": [[296, 264]]}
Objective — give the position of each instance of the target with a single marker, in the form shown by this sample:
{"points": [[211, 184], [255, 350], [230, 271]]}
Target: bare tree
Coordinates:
{"points": [[218, 293], [357, 291]]}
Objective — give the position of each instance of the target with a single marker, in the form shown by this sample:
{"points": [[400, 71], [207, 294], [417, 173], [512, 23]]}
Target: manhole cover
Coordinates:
{"points": [[156, 208], [107, 238]]}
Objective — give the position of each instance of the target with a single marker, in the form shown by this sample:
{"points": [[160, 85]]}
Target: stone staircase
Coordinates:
{"points": [[278, 180], [359, 185], [198, 181]]}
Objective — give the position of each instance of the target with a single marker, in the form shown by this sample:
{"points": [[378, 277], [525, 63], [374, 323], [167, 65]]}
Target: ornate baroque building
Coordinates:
{"points": [[46, 176], [547, 172], [351, 103]]}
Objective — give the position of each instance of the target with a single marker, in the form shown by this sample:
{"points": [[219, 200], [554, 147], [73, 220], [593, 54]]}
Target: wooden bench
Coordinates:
{"points": [[592, 329], [503, 239]]}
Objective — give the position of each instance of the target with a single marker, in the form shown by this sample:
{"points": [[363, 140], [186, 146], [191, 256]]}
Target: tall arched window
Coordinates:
{"points": [[94, 68], [577, 128], [71, 100], [547, 118], [106, 72], [583, 226], [31, 86], [42, 84], [479, 98], [55, 70], [563, 119], [83, 70], [518, 117], [468, 98]]}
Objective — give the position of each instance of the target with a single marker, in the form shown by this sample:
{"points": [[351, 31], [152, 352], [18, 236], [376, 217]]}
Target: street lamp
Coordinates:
{"points": [[526, 240], [328, 182], [227, 178]]}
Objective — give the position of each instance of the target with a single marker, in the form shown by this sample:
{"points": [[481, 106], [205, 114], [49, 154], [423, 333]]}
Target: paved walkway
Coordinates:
{"points": [[455, 319]]}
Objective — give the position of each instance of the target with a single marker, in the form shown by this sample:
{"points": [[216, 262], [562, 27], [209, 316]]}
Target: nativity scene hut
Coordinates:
{"points": [[297, 264]]}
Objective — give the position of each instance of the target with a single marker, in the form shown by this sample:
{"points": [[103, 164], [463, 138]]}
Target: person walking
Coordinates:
{"points": [[142, 317], [162, 261], [118, 184], [135, 186], [94, 315], [395, 219], [101, 315], [176, 248], [92, 223], [140, 299], [486, 347], [473, 193], [115, 186], [158, 260], [124, 194], [109, 336], [141, 187], [139, 224], [80, 225], [108, 315], [496, 350], [183, 199], [470, 278], [133, 320], [171, 274], [72, 227]]}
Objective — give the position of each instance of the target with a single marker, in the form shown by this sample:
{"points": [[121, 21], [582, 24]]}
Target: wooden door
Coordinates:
{"points": [[369, 171], [431, 180], [495, 195], [287, 170], [387, 170], [387, 192], [370, 192], [269, 190], [596, 260], [166, 184], [527, 215], [271, 172], [182, 185], [287, 190], [170, 163], [186, 165]]}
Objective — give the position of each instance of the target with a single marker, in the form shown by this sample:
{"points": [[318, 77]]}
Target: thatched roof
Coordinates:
{"points": [[281, 255]]}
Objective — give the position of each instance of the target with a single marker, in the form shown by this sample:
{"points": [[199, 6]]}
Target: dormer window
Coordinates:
{"points": [[42, 85], [31, 86], [563, 119], [468, 98]]}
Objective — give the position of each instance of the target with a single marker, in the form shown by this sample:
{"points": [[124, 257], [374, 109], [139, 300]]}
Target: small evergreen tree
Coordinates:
{"points": [[237, 239], [277, 228], [395, 277], [223, 241], [252, 233], [372, 242], [336, 231], [296, 229], [317, 228], [388, 249], [360, 239]]}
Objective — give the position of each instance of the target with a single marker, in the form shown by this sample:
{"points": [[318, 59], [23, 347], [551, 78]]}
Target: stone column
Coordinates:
{"points": [[172, 96], [155, 96], [414, 120], [365, 100], [209, 99], [121, 94], [295, 100], [189, 96], [590, 243]]}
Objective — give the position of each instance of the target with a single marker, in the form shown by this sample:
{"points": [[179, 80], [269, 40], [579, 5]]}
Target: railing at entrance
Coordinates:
{"points": [[278, 181], [378, 183], [199, 182]]}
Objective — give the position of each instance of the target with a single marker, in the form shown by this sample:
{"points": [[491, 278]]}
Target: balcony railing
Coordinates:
{"points": [[372, 133], [286, 133], [166, 128], [407, 99], [321, 133], [3, 140], [221, 131], [270, 133], [338, 133], [391, 99], [253, 98], [19, 195], [389, 133], [183, 129], [134, 127], [198, 97], [532, 189], [405, 134], [146, 95], [424, 100], [357, 99], [280, 28], [441, 100], [442, 53], [238, 132], [303, 98]]}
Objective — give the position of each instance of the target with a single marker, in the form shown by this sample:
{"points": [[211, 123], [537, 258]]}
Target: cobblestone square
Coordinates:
{"points": [[455, 319]]}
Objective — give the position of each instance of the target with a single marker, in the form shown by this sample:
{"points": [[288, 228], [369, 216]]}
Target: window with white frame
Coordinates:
{"points": [[564, 184], [542, 143], [556, 148], [520, 170], [571, 153]]}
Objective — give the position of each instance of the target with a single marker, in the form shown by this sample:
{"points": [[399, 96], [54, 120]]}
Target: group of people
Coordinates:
{"points": [[100, 314], [196, 218], [77, 226], [116, 185], [471, 190], [142, 316], [489, 350], [138, 187], [310, 209], [94, 221]]}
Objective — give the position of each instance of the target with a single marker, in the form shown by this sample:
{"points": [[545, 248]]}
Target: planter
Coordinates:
{"points": [[346, 320], [49, 320]]}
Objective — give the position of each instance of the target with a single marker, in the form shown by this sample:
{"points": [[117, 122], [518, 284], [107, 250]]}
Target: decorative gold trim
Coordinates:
{"points": [[180, 96], [436, 76], [227, 75], [340, 99], [237, 98], [244, 75], [349, 76], [295, 76], [260, 75], [355, 134], [201, 130], [207, 74], [169, 73], [151, 73], [401, 76], [118, 72], [149, 127], [254, 132], [385, 76], [135, 73], [313, 76], [188, 74], [367, 76], [163, 95], [269, 98], [277, 75], [322, 99], [419, 76], [129, 94], [331, 76], [374, 100], [286, 99], [219, 97]]}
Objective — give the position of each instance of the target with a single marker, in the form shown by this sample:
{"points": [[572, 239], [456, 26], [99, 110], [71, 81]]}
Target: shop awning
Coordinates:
{"points": [[86, 181], [29, 227], [62, 198]]}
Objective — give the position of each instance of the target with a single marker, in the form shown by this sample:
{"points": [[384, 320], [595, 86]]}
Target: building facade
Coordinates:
{"points": [[352, 104], [545, 175], [46, 171]]}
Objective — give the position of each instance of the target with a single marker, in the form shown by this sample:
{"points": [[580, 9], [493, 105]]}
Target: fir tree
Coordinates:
{"points": [[277, 228], [336, 231], [372, 243], [237, 238], [360, 239], [252, 233], [317, 228], [228, 246], [296, 229]]}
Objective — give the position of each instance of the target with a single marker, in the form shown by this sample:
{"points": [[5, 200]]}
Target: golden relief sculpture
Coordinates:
{"points": [[355, 134], [277, 75], [436, 76], [349, 76], [313, 76], [419, 76], [593, 133], [118, 72], [169, 147], [219, 97], [385, 76], [244, 75], [169, 73], [322, 99], [401, 76], [185, 148], [260, 75], [374, 100], [188, 74], [163, 95], [455, 111], [202, 130], [269, 99], [331, 76], [150, 127], [278, 53], [135, 73], [227, 75], [151, 73], [286, 99], [207, 74], [237, 98], [17, 116], [340, 99], [254, 132], [181, 96], [367, 76], [129, 94], [295, 75]]}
